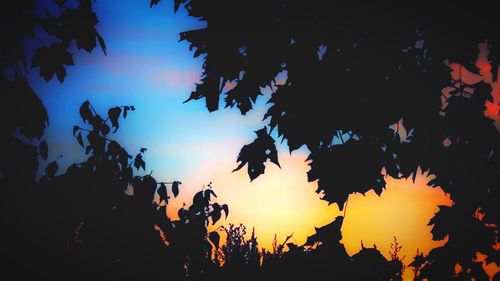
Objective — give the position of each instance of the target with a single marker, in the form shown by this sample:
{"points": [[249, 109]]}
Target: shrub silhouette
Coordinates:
{"points": [[242, 260], [237, 250], [85, 225]]}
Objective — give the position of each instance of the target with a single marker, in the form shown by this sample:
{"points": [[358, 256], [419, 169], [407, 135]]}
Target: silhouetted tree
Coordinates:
{"points": [[30, 38], [467, 167], [36, 34], [83, 224], [363, 92]]}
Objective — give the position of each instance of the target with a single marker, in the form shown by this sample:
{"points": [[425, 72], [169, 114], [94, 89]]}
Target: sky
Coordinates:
{"points": [[148, 68]]}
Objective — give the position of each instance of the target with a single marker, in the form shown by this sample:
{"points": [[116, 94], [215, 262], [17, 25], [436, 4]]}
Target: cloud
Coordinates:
{"points": [[184, 79], [141, 68]]}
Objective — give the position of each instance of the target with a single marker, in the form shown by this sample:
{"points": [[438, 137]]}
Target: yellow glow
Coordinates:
{"points": [[279, 202], [403, 210], [283, 202]]}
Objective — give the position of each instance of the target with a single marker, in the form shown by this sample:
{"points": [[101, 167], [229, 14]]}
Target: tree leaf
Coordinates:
{"points": [[78, 24], [177, 3], [43, 149], [226, 210], [101, 42], [51, 169], [52, 60], [153, 3], [113, 115], [209, 192], [175, 188], [257, 153], [215, 238], [72, 169], [75, 129], [199, 201], [80, 139], [182, 213], [215, 214], [21, 107], [162, 192], [139, 163], [97, 142], [105, 129], [85, 113]]}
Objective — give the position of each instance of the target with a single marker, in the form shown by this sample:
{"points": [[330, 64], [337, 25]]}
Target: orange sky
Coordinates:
{"points": [[403, 210], [283, 202], [481, 73]]}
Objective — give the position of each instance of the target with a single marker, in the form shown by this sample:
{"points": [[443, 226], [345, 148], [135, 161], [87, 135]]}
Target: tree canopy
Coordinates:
{"points": [[368, 89]]}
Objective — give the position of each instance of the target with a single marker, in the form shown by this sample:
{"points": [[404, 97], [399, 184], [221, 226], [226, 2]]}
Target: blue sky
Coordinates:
{"points": [[147, 67]]}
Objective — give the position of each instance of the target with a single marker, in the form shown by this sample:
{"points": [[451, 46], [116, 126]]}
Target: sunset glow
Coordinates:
{"points": [[279, 202], [282, 202], [186, 143], [403, 211]]}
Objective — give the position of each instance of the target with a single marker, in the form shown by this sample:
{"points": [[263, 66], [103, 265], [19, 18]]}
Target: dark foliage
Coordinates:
{"points": [[240, 259], [83, 224], [256, 153], [40, 38], [359, 72], [49, 34]]}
